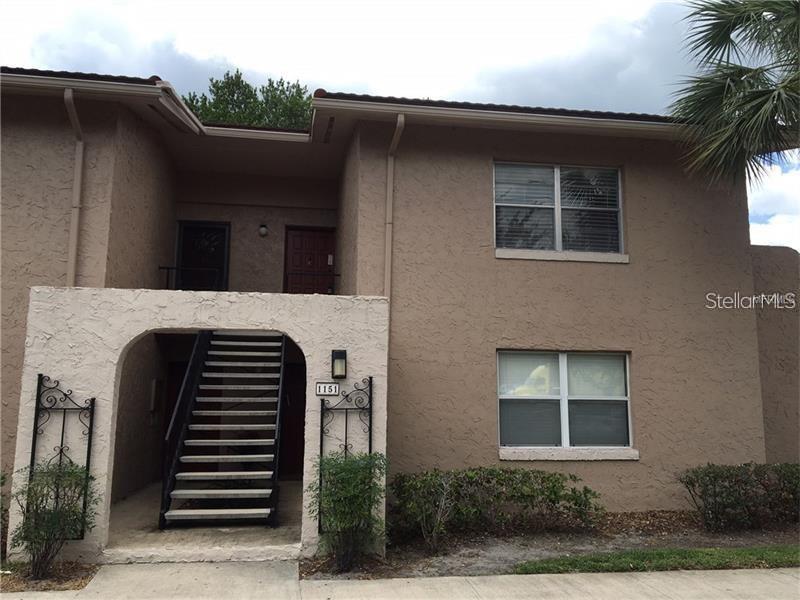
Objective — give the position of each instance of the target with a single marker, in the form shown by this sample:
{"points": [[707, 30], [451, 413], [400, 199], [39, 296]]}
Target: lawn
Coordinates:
{"points": [[668, 559]]}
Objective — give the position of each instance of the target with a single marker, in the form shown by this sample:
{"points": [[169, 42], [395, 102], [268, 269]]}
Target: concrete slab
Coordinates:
{"points": [[389, 589], [195, 581], [135, 537], [776, 584], [66, 595]]}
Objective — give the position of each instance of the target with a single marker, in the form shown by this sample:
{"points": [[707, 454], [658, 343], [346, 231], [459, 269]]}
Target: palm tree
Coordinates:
{"points": [[743, 108]]}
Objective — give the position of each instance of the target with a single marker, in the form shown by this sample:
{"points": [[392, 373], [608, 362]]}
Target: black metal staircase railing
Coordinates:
{"points": [[179, 423], [273, 516]]}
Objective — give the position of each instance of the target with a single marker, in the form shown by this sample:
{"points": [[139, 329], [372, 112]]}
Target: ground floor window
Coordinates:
{"points": [[563, 399]]}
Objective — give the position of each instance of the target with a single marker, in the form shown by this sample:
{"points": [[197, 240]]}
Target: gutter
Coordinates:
{"points": [[77, 189], [476, 117], [389, 227]]}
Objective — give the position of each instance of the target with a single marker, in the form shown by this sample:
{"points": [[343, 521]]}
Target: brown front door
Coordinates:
{"points": [[309, 261]]}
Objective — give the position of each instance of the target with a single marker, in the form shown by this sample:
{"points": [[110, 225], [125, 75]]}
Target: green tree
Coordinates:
{"points": [[234, 101], [743, 107]]}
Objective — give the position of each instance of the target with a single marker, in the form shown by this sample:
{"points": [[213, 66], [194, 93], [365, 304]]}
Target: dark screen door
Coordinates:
{"points": [[202, 256], [309, 261]]}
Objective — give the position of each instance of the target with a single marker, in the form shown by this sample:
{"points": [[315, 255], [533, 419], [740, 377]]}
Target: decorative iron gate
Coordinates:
{"points": [[52, 402], [358, 401]]}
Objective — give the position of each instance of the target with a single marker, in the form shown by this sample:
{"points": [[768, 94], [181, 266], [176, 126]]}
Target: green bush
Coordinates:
{"points": [[435, 503], [347, 502], [744, 496], [51, 503]]}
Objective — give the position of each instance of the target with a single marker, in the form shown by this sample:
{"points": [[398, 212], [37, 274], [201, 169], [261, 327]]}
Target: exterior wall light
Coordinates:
{"points": [[339, 364], [262, 230]]}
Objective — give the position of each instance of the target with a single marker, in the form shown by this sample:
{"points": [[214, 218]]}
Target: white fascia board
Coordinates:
{"points": [[256, 134], [501, 118], [37, 82]]}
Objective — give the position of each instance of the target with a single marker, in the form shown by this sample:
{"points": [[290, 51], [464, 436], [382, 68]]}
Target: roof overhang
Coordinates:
{"points": [[347, 112]]}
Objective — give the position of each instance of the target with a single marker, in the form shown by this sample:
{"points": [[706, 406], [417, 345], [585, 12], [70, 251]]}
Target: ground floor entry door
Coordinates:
{"points": [[309, 261]]}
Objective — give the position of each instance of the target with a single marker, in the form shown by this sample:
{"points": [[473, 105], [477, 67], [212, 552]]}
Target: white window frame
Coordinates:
{"points": [[566, 451], [558, 252]]}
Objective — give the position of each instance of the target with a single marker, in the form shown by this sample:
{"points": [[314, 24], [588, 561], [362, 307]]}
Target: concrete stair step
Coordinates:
{"points": [[222, 475], [237, 387], [213, 514], [231, 442], [217, 493], [246, 332], [241, 353], [223, 458], [243, 343], [234, 413], [218, 375], [228, 363], [233, 427], [236, 399]]}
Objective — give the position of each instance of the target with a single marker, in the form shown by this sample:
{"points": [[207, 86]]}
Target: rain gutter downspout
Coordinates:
{"points": [[388, 233], [77, 189]]}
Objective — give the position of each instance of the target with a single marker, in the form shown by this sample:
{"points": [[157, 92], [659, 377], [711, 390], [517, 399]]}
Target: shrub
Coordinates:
{"points": [[744, 496], [52, 504], [347, 501], [435, 503]]}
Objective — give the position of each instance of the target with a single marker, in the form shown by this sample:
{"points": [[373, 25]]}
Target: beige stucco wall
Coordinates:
{"points": [[38, 151], [139, 426], [247, 201], [695, 392], [777, 270], [347, 223], [86, 335], [141, 233]]}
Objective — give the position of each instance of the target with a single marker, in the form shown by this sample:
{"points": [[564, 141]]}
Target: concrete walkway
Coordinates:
{"points": [[278, 581]]}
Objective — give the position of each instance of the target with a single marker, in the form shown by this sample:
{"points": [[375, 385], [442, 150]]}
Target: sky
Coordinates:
{"points": [[618, 55]]}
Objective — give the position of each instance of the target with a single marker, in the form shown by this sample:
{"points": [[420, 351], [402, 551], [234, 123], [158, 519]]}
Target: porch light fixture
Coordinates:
{"points": [[262, 230], [339, 364]]}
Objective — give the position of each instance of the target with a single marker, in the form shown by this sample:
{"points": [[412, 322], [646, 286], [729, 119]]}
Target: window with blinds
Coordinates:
{"points": [[556, 208]]}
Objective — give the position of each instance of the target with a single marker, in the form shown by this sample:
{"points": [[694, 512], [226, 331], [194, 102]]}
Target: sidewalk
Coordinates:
{"points": [[278, 581]]}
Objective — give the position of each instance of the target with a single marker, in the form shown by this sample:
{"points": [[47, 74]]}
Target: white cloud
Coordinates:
{"points": [[775, 205], [779, 230], [403, 47]]}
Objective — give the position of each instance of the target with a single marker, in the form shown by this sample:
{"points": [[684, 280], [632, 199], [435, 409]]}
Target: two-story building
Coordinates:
{"points": [[524, 286]]}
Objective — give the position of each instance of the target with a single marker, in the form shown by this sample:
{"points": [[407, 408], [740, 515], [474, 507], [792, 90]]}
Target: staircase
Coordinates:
{"points": [[224, 434]]}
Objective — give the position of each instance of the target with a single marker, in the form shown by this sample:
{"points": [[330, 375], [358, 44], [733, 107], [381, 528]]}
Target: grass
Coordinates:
{"points": [[766, 557]]}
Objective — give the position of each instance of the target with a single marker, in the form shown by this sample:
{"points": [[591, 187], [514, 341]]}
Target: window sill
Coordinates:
{"points": [[536, 453], [603, 257]]}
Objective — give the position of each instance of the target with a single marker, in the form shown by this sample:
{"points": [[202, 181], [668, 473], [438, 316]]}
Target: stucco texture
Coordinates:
{"points": [[139, 424], [246, 202], [38, 148], [82, 337], [141, 231], [777, 270], [694, 378]]}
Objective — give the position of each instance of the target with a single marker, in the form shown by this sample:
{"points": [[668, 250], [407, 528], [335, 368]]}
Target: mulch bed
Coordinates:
{"points": [[65, 576], [495, 555]]}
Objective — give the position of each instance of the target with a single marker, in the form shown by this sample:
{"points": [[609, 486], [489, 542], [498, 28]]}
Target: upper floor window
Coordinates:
{"points": [[557, 208]]}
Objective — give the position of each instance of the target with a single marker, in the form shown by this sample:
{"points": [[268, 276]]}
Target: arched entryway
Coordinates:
{"points": [[155, 369], [83, 337]]}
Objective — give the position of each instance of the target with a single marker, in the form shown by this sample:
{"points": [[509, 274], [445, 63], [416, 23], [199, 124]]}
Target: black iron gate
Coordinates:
{"points": [[76, 423], [357, 401]]}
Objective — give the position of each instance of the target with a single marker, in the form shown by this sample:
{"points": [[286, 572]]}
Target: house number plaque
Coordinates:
{"points": [[327, 388]]}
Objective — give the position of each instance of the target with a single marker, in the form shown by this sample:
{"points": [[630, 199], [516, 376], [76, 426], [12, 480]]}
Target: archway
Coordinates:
{"points": [[83, 336]]}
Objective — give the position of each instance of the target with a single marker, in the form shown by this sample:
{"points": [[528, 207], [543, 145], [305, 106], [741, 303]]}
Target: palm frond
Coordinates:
{"points": [[726, 30], [737, 118]]}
